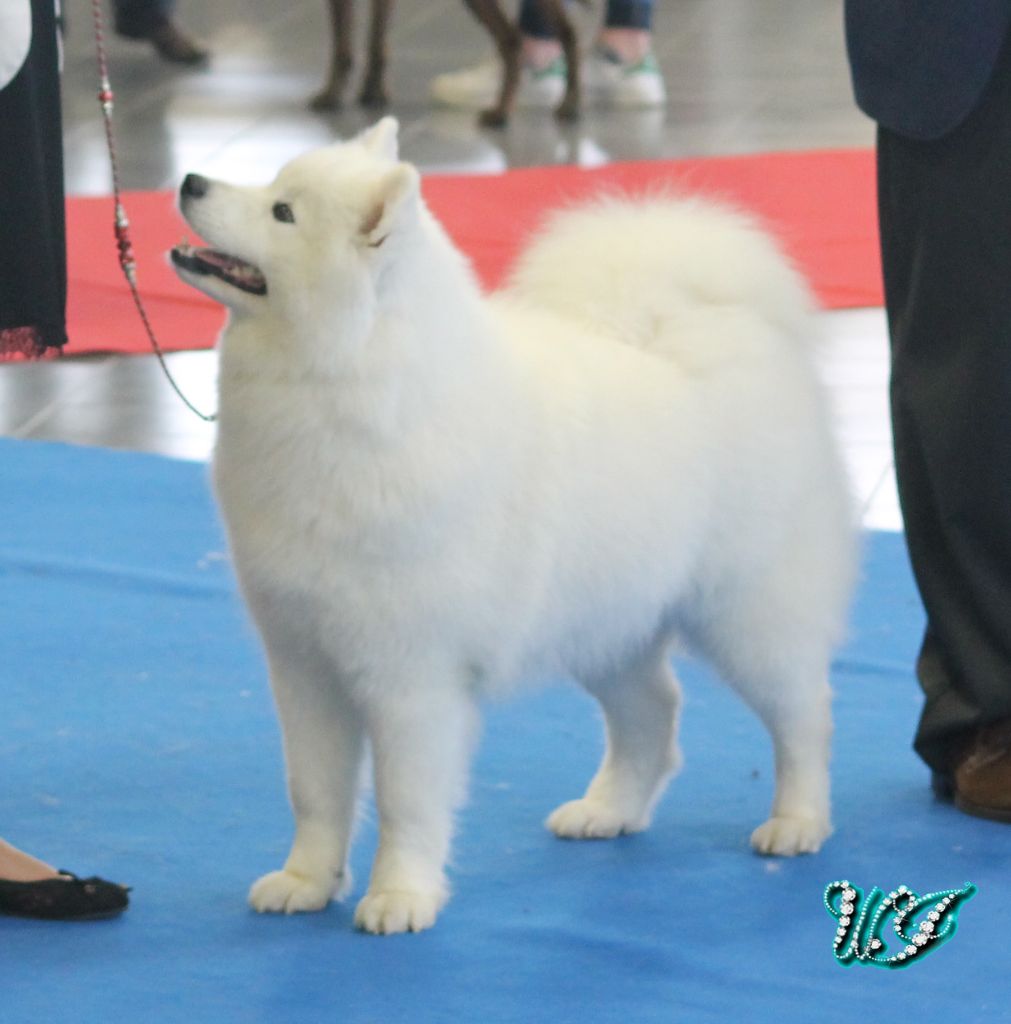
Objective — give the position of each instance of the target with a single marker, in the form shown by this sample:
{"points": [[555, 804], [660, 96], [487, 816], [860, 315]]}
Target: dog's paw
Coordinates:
{"points": [[587, 819], [373, 97], [283, 892], [388, 913], [326, 100], [786, 837], [496, 117]]}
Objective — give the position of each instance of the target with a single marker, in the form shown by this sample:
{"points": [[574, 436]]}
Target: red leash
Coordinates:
{"points": [[122, 224]]}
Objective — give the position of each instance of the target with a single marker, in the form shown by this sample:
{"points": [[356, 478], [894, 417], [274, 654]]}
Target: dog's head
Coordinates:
{"points": [[322, 229]]}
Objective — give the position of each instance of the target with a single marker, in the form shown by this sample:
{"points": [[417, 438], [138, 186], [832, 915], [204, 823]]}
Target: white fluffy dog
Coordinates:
{"points": [[430, 495]]}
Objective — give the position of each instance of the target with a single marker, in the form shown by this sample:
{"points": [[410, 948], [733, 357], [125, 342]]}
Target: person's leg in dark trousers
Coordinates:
{"points": [[623, 70], [33, 255], [631, 14], [945, 213]]}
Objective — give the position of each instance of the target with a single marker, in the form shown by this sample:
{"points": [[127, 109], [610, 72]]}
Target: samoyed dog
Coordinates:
{"points": [[431, 494]]}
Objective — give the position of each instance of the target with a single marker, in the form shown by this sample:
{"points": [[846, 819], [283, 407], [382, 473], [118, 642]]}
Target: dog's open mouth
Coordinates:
{"points": [[229, 269]]}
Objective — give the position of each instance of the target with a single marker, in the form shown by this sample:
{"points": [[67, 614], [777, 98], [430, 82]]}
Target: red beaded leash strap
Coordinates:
{"points": [[122, 224]]}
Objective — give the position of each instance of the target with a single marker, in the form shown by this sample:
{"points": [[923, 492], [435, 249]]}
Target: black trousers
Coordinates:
{"points": [[945, 216], [33, 258]]}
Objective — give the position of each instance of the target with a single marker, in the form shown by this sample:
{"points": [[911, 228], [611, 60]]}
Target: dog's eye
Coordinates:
{"points": [[284, 213]]}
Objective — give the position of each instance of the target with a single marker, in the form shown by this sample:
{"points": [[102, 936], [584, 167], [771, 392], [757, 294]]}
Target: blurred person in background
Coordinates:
{"points": [[621, 70]]}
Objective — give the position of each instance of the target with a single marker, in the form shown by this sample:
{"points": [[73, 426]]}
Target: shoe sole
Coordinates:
{"points": [[989, 813], [944, 789], [104, 915]]}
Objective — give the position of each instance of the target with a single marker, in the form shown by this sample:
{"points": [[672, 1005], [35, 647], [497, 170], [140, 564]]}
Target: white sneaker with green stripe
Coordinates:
{"points": [[611, 81], [478, 87]]}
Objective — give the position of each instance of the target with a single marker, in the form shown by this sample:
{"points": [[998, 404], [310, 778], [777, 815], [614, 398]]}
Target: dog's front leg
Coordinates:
{"points": [[554, 12], [508, 42], [324, 743], [421, 742], [331, 95], [374, 92]]}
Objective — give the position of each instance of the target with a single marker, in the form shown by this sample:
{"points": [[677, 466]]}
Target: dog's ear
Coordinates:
{"points": [[396, 196], [381, 138]]}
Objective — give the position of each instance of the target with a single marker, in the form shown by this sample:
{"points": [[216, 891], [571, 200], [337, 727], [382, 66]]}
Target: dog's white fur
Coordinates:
{"points": [[430, 495]]}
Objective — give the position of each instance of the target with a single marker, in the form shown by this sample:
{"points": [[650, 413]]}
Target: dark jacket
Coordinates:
{"points": [[920, 66]]}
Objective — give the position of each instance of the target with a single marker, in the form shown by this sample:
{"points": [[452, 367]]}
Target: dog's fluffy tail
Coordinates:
{"points": [[644, 270]]}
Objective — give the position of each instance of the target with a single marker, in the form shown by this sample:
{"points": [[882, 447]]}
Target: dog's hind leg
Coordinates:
{"points": [[373, 93], [775, 653], [555, 14], [331, 95], [801, 730], [422, 735], [324, 742], [507, 41], [641, 707]]}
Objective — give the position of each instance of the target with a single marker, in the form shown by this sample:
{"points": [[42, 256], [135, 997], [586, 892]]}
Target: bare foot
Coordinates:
{"points": [[17, 866]]}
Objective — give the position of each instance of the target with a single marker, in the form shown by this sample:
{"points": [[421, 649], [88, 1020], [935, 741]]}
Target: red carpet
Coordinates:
{"points": [[820, 204]]}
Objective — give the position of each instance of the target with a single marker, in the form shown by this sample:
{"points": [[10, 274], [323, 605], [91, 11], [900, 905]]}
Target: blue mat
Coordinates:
{"points": [[139, 743]]}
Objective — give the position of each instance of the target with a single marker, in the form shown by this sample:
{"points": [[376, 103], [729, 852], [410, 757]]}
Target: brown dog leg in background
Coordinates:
{"points": [[373, 92], [508, 41], [554, 12], [331, 95]]}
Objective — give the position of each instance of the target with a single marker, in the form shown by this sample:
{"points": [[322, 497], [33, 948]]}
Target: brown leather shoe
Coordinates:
{"points": [[981, 782], [174, 45]]}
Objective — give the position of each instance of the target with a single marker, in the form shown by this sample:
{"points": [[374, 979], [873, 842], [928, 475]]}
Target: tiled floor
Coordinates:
{"points": [[742, 76]]}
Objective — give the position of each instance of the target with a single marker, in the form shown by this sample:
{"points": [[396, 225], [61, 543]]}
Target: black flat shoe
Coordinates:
{"points": [[67, 898]]}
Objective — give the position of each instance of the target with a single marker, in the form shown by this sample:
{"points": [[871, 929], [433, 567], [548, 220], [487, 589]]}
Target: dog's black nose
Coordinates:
{"points": [[195, 186]]}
